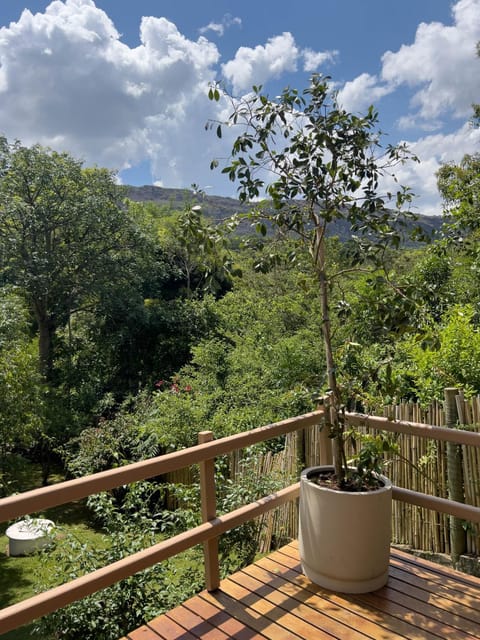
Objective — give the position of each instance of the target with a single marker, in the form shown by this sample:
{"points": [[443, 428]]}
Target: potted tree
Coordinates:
{"points": [[316, 165]]}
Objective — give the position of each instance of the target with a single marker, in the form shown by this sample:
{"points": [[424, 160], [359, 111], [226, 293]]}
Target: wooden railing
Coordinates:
{"points": [[213, 526]]}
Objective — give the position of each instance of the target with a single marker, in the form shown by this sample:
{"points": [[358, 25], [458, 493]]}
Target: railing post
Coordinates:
{"points": [[458, 536], [209, 512], [325, 441]]}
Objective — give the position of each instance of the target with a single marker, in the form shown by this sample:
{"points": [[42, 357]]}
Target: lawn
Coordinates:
{"points": [[20, 576]]}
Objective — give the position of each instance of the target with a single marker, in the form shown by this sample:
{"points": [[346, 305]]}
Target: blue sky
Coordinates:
{"points": [[123, 83]]}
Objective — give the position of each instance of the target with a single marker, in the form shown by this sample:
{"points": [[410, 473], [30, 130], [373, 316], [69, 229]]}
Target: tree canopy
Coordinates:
{"points": [[64, 235]]}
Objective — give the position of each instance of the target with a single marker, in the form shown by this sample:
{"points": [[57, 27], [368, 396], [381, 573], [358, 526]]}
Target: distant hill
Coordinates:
{"points": [[218, 207]]}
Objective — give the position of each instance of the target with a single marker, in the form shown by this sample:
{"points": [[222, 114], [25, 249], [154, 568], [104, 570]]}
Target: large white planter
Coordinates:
{"points": [[344, 537], [27, 536]]}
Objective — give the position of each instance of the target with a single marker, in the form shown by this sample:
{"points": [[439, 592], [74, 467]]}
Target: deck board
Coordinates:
{"points": [[273, 599]]}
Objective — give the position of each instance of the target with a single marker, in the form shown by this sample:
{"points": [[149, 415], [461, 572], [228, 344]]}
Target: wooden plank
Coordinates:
{"points": [[455, 579], [335, 606], [195, 624], [435, 606], [168, 629], [387, 626], [423, 588], [295, 626], [252, 617], [389, 611], [391, 602], [274, 599], [218, 618], [297, 612], [144, 633]]}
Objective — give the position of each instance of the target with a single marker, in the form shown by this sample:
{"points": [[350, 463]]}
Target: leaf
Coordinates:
{"points": [[260, 227]]}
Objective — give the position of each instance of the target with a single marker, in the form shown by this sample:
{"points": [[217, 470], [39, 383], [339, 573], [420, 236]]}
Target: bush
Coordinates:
{"points": [[116, 610]]}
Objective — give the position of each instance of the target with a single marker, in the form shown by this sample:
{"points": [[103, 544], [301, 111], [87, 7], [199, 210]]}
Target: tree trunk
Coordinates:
{"points": [[336, 425], [46, 332]]}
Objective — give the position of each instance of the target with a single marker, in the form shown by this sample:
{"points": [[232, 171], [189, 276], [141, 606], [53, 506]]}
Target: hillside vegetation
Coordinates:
{"points": [[218, 208]]}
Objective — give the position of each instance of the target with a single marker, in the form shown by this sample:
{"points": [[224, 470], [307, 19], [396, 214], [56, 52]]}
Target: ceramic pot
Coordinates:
{"points": [[344, 537]]}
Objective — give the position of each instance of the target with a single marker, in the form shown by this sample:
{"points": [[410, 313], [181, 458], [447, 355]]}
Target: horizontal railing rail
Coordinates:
{"points": [[22, 504], [58, 597], [444, 434], [37, 500]]}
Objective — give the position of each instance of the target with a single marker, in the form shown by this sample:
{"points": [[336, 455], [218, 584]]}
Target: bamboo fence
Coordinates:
{"points": [[421, 465]]}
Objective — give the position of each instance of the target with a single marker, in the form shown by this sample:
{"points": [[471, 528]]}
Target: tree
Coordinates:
{"points": [[318, 164], [64, 236], [20, 384], [449, 357], [459, 186]]}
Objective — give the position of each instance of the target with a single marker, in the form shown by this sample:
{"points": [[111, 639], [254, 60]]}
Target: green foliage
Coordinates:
{"points": [[196, 250], [66, 242], [259, 342], [134, 338], [432, 278], [101, 293], [369, 460], [199, 252], [113, 443], [112, 612], [63, 233], [459, 186], [20, 382], [318, 164], [449, 357], [238, 546]]}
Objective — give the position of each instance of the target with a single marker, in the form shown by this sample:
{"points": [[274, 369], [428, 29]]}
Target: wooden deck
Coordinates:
{"points": [[272, 599]]}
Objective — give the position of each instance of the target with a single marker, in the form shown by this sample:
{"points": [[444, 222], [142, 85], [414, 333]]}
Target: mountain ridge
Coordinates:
{"points": [[221, 207]]}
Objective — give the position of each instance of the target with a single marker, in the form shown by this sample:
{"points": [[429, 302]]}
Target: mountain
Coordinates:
{"points": [[215, 207], [218, 207]]}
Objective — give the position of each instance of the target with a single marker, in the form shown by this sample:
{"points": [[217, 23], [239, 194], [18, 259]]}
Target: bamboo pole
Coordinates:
{"points": [[455, 477]]}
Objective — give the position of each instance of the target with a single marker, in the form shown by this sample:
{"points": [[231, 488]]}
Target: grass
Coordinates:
{"points": [[20, 576]]}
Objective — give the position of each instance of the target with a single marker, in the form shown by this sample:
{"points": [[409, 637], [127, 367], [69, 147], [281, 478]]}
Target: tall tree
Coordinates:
{"points": [[318, 164], [64, 235], [459, 186]]}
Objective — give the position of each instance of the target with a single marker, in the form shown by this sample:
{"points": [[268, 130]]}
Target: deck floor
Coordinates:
{"points": [[273, 599]]}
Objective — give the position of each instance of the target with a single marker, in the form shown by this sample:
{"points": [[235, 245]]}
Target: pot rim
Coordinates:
{"points": [[304, 478]]}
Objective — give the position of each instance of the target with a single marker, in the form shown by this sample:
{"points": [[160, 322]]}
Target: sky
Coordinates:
{"points": [[123, 83]]}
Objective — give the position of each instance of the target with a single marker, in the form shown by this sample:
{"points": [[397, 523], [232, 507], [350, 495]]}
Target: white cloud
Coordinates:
{"points": [[312, 60], [263, 62], [440, 66], [68, 81], [411, 121], [360, 93], [257, 65], [433, 151], [220, 27], [442, 62]]}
